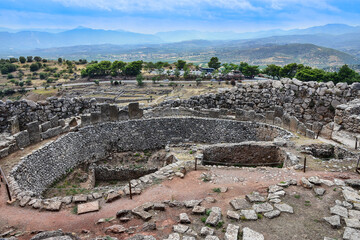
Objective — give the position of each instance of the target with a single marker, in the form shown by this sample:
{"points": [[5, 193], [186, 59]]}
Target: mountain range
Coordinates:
{"points": [[329, 44]]}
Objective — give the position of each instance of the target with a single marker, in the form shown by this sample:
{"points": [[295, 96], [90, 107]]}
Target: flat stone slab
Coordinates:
{"points": [[184, 218], [112, 197], [79, 198], [142, 214], [54, 206], [249, 214], [116, 229], [351, 234], [180, 228], [215, 216], [283, 207], [355, 183], [198, 210], [355, 214], [306, 183], [351, 196], [334, 221], [159, 206], [327, 182], [232, 232], [192, 203], [263, 207], [173, 236], [353, 223], [249, 234], [319, 191], [272, 214], [239, 203], [88, 207], [338, 210], [205, 231], [233, 215], [315, 180], [255, 197], [274, 188]]}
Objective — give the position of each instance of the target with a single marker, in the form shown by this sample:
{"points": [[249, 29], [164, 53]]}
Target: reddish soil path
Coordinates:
{"points": [[191, 187]]}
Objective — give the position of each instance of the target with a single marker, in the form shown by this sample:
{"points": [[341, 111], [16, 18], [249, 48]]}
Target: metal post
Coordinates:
{"points": [[130, 190], [356, 143], [8, 192], [2, 174], [305, 164], [195, 163]]}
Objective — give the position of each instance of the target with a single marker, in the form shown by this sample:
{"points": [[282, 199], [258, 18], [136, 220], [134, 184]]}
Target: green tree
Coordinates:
{"points": [[250, 71], [34, 67], [133, 68], [117, 67], [180, 64], [7, 67], [309, 74], [346, 74], [290, 70], [29, 58], [37, 59], [22, 59], [273, 71], [60, 60], [242, 66], [214, 63], [177, 73], [139, 80]]}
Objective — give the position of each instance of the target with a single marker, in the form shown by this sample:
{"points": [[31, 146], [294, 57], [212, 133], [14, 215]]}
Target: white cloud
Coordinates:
{"points": [[157, 5], [318, 4]]}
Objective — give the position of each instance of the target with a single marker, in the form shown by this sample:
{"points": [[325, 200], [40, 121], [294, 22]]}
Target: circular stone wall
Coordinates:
{"points": [[39, 170]]}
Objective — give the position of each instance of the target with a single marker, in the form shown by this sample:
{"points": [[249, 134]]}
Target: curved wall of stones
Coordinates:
{"points": [[307, 101], [39, 170]]}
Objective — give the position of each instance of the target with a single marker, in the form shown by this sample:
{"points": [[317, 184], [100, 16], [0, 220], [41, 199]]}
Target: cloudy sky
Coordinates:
{"points": [[150, 16]]}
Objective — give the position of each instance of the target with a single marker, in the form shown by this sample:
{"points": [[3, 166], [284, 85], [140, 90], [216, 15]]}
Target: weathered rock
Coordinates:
{"points": [[205, 231], [283, 207], [173, 236], [262, 208], [184, 218], [327, 182], [334, 221], [54, 235], [232, 232], [351, 196], [353, 223], [211, 238], [354, 214], [122, 213], [274, 188], [53, 206], [314, 180], [233, 215], [351, 234], [249, 214], [180, 228], [249, 234], [355, 183], [24, 201], [192, 203], [112, 196], [79, 198], [115, 229], [142, 214], [88, 207], [272, 214], [198, 210], [239, 203], [255, 197], [159, 206], [305, 183], [319, 191], [215, 216], [338, 210]]}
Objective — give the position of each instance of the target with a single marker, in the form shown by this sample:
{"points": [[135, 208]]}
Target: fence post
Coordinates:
{"points": [[305, 164], [356, 143], [195, 163], [130, 190]]}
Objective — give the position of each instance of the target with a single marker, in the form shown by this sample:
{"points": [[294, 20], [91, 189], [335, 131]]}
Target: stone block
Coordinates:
{"points": [[105, 112], [62, 122], [270, 115], [95, 117], [4, 152], [52, 132], [123, 115], [22, 139], [14, 125], [34, 132], [294, 122], [134, 111], [45, 126], [88, 207], [310, 134], [54, 121], [302, 129], [113, 113], [85, 120], [278, 111]]}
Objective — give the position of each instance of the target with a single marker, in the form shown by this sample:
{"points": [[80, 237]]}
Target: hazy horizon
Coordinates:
{"points": [[148, 16]]}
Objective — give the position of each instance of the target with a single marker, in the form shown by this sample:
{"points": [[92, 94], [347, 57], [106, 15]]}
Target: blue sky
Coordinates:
{"points": [[150, 16]]}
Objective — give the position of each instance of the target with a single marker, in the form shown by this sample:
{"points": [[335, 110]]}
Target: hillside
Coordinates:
{"points": [[201, 51]]}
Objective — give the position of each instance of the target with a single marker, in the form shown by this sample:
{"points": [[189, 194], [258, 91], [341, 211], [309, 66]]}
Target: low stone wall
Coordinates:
{"points": [[109, 173], [244, 154], [348, 116], [39, 170], [310, 102]]}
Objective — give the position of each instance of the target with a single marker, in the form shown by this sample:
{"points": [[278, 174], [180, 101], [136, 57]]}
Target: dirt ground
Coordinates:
{"points": [[305, 223]]}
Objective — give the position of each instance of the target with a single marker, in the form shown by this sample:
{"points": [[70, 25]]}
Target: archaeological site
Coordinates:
{"points": [[270, 159]]}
